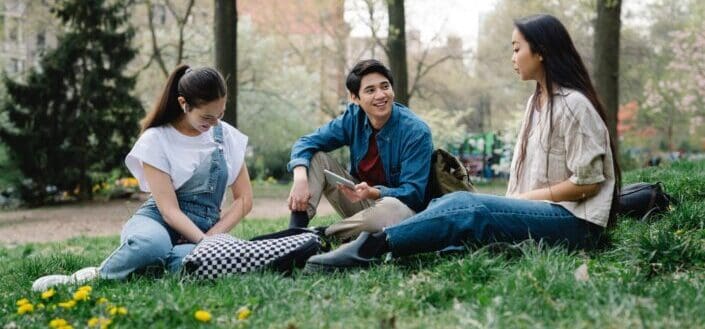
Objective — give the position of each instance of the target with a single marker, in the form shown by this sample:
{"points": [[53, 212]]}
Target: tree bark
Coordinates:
{"points": [[606, 48], [225, 27], [396, 43]]}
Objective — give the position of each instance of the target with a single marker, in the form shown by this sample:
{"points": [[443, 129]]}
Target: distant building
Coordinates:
{"points": [[27, 29]]}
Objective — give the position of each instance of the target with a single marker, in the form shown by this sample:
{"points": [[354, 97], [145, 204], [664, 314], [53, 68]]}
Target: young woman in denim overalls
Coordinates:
{"points": [[186, 157]]}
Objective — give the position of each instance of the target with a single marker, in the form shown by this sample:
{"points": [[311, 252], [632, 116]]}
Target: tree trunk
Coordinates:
{"points": [[225, 27], [396, 43], [607, 26]]}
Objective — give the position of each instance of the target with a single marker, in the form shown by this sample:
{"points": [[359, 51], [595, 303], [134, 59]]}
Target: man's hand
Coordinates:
{"points": [[299, 194], [361, 192]]}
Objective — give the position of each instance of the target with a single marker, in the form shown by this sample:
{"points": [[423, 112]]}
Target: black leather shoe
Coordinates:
{"points": [[364, 251]]}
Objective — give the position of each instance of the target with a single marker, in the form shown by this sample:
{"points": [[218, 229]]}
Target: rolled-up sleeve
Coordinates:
{"points": [[586, 143], [326, 138]]}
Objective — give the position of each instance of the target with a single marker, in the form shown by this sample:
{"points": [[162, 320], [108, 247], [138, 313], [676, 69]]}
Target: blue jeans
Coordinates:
{"points": [[144, 242], [462, 218], [147, 239]]}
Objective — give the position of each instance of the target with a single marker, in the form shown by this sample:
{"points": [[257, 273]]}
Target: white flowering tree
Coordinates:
{"points": [[675, 100]]}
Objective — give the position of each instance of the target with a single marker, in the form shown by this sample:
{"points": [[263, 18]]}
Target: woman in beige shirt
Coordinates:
{"points": [[563, 177]]}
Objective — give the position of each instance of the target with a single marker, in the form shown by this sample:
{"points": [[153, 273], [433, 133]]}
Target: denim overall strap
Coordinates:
{"points": [[204, 197], [219, 169]]}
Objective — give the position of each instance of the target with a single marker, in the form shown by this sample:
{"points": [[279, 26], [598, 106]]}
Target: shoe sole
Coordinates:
{"points": [[322, 268]]}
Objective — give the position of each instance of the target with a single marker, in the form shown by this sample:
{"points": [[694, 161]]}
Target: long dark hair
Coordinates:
{"points": [[563, 67], [198, 86]]}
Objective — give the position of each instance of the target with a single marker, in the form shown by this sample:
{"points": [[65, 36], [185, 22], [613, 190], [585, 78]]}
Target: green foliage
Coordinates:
{"points": [[75, 114], [10, 175], [275, 110]]}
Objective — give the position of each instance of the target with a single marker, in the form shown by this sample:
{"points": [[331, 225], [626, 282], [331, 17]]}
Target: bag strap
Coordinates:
{"points": [[648, 213]]}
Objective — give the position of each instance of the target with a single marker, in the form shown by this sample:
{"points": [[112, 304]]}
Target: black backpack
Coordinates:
{"points": [[642, 200]]}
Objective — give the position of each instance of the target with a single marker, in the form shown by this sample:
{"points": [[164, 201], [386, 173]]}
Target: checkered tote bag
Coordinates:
{"points": [[223, 255]]}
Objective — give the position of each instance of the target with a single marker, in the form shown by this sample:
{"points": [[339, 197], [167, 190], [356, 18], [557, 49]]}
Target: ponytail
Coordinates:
{"points": [[167, 108], [196, 86]]}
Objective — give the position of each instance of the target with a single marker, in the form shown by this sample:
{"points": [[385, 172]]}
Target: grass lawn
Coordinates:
{"points": [[652, 276]]}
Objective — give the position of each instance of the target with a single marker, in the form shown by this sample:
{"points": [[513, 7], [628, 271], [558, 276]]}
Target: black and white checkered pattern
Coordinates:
{"points": [[222, 254]]}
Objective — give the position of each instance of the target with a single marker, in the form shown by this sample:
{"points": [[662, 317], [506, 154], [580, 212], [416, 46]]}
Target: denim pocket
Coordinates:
{"points": [[203, 217]]}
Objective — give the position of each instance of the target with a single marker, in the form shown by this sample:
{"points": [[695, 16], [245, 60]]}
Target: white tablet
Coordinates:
{"points": [[336, 179]]}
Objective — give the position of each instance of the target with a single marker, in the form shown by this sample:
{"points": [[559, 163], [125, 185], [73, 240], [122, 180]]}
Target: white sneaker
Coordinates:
{"points": [[48, 281], [81, 276]]}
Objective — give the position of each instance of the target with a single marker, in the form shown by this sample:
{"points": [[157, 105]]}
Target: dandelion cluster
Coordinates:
{"points": [[61, 306], [63, 310]]}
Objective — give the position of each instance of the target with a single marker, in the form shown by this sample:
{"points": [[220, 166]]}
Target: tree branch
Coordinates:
{"points": [[373, 28], [156, 52]]}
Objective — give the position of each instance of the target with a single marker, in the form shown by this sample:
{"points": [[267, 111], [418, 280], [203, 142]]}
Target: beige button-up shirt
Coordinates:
{"points": [[578, 150]]}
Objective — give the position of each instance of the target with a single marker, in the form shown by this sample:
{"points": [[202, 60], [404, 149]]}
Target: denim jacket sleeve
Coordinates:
{"points": [[415, 168], [326, 138]]}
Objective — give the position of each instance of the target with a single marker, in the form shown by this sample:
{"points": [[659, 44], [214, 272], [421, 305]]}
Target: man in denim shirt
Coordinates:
{"points": [[390, 156]]}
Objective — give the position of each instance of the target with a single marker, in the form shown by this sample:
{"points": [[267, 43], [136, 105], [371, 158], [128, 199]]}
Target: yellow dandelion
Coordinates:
{"points": [[85, 288], [99, 322], [203, 316], [25, 308], [243, 313], [81, 295], [67, 304], [68, 326], [101, 300], [57, 323], [48, 294], [680, 232], [115, 310], [22, 302]]}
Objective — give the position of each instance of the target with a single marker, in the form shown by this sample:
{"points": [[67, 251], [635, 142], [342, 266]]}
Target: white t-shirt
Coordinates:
{"points": [[178, 155]]}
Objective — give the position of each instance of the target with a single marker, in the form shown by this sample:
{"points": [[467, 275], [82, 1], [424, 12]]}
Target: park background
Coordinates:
{"points": [[78, 75], [65, 126]]}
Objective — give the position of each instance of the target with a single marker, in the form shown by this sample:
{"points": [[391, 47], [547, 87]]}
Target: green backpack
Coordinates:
{"points": [[447, 175]]}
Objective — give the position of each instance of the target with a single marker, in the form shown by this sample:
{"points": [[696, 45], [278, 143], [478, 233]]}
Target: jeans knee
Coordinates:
{"points": [[149, 245], [455, 199]]}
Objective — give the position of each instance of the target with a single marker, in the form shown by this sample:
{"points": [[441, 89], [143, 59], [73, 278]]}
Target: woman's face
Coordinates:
{"points": [[204, 116], [526, 63]]}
